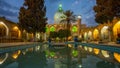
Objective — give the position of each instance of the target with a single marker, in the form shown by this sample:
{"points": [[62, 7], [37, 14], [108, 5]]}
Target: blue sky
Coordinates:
{"points": [[10, 9]]}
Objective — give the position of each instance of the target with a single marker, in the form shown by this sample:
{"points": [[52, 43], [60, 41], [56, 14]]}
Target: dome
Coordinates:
{"points": [[59, 15]]}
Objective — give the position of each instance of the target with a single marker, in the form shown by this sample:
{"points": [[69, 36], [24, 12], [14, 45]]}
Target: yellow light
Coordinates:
{"points": [[90, 49], [15, 28], [105, 53], [116, 29], [69, 45], [16, 54], [117, 56], [85, 48], [96, 51], [95, 34]]}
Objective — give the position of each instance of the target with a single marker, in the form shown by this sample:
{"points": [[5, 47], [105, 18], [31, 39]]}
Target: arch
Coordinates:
{"points": [[96, 34], [90, 35], [3, 58], [7, 29], [105, 33], [116, 29], [52, 29], [15, 32], [85, 36], [74, 28]]}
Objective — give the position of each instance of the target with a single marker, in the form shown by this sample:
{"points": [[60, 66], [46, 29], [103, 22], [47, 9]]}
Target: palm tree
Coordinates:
{"points": [[68, 18]]}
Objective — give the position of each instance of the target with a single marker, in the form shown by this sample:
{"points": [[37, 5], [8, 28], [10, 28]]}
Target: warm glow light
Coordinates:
{"points": [[116, 29], [90, 35], [90, 49], [85, 36], [117, 56], [86, 48], [15, 28], [69, 45], [7, 29], [95, 34], [104, 32], [96, 51], [16, 54], [105, 53]]}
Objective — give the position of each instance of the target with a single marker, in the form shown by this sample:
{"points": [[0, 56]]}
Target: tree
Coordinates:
{"points": [[69, 17], [62, 33], [106, 10], [32, 16]]}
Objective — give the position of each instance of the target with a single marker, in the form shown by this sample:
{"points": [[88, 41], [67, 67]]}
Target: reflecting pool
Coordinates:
{"points": [[43, 56]]}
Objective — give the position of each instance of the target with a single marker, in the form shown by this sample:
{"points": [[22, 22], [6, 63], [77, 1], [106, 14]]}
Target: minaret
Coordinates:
{"points": [[60, 8], [79, 24]]}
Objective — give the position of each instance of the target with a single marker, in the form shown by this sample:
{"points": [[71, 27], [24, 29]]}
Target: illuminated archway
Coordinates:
{"points": [[85, 36], [105, 32], [117, 56], [96, 34], [52, 29], [105, 53], [15, 32], [7, 30], [116, 29], [74, 29], [90, 35], [96, 51]]}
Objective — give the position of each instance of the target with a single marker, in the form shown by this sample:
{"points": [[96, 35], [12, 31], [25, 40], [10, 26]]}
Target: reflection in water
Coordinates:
{"points": [[117, 56], [32, 60], [3, 57], [67, 57], [104, 64]]}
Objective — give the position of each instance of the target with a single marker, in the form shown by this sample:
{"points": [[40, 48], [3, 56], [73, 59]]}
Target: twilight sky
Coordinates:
{"points": [[10, 9]]}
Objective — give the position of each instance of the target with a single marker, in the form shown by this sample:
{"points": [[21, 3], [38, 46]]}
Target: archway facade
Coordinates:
{"points": [[105, 33], [89, 35], [3, 30], [116, 30], [96, 34]]}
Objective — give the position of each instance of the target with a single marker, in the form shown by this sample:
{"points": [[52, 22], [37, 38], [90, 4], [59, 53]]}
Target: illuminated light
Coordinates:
{"points": [[90, 49], [75, 53], [105, 53], [104, 32], [52, 54], [95, 34], [70, 37], [60, 5], [117, 57], [85, 36], [96, 51], [79, 17], [74, 29], [116, 29], [7, 29], [52, 28], [80, 66], [90, 35], [15, 28], [85, 48], [16, 54], [69, 45], [2, 60]]}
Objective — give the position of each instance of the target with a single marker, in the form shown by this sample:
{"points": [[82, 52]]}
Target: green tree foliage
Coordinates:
{"points": [[64, 33], [32, 16], [106, 10], [53, 35]]}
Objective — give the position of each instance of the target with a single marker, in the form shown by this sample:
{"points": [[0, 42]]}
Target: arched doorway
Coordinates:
{"points": [[15, 32], [3, 30], [116, 30], [96, 35], [85, 36], [89, 35], [105, 33]]}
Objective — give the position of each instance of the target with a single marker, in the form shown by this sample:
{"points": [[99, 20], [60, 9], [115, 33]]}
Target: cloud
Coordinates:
{"points": [[4, 4], [8, 11]]}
